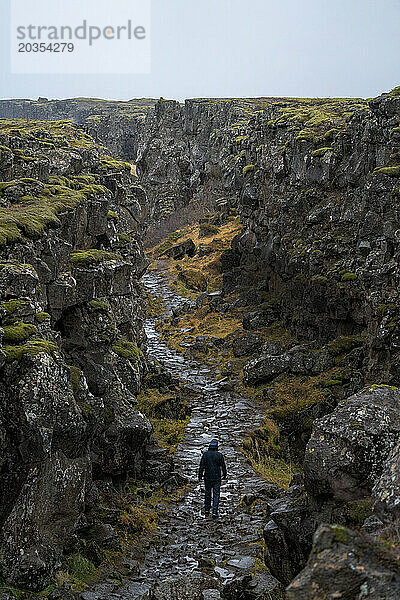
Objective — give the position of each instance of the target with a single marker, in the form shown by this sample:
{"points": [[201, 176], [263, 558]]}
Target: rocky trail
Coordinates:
{"points": [[189, 542]]}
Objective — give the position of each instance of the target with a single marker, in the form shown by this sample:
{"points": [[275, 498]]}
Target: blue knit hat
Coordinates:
{"points": [[214, 444]]}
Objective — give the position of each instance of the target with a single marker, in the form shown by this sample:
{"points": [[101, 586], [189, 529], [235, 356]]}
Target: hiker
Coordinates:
{"points": [[211, 464]]}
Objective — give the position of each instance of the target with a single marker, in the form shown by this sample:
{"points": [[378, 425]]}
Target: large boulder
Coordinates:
{"points": [[264, 368], [288, 534], [45, 514], [45, 468], [264, 586], [246, 345], [179, 251], [343, 564], [193, 279], [347, 451], [298, 360], [386, 491]]}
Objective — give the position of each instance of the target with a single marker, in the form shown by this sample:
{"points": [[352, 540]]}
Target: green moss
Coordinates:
{"points": [[318, 119], [97, 305], [41, 317], [300, 278], [248, 169], [359, 510], [112, 215], [319, 279], [109, 416], [19, 332], [93, 256], [208, 229], [75, 375], [83, 178], [80, 566], [384, 309], [33, 347], [86, 410], [11, 306], [341, 533], [306, 135], [343, 344], [391, 171], [124, 239], [155, 305], [169, 432], [168, 242], [327, 383], [4, 185], [241, 138], [32, 214], [321, 151], [377, 386], [396, 192], [57, 133], [109, 163], [127, 349], [395, 130], [349, 276], [395, 93]]}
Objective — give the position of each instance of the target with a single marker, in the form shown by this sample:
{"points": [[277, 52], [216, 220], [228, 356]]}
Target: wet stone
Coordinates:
{"points": [[189, 542]]}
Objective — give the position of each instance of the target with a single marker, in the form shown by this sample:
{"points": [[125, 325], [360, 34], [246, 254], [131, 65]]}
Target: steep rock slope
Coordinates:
{"points": [[72, 336]]}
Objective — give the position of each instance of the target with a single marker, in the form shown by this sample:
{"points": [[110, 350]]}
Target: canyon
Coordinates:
{"points": [[269, 285]]}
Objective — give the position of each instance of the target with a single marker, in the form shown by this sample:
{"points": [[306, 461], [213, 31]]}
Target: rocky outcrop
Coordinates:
{"points": [[344, 564], [117, 125], [181, 250], [313, 181], [289, 531], [72, 339], [350, 479], [347, 451]]}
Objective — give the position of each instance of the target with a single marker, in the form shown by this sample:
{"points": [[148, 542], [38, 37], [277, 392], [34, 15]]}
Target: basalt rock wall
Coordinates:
{"points": [[72, 340], [316, 184], [321, 227]]}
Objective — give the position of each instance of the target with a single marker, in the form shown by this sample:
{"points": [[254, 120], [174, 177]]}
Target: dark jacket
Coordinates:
{"points": [[211, 464]]}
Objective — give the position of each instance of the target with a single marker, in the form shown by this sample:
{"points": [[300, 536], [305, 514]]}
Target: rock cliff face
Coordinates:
{"points": [[118, 125], [72, 338], [316, 184]]}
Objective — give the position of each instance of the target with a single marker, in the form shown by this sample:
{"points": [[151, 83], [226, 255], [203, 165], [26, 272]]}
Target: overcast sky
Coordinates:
{"points": [[226, 48]]}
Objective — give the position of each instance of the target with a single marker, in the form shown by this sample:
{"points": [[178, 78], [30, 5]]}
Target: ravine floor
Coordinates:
{"points": [[228, 546]]}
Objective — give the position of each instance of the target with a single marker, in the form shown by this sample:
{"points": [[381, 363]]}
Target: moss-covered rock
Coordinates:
{"points": [[92, 257], [127, 350], [32, 347], [19, 332]]}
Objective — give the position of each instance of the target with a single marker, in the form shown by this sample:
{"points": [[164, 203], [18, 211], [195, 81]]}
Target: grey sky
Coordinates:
{"points": [[239, 48]]}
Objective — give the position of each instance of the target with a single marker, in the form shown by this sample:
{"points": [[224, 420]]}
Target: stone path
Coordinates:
{"points": [[190, 541]]}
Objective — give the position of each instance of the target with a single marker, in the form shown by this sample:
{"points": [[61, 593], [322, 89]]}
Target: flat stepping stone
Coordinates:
{"points": [[242, 562]]}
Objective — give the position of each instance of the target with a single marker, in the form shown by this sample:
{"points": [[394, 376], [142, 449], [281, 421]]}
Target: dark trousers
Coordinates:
{"points": [[215, 487]]}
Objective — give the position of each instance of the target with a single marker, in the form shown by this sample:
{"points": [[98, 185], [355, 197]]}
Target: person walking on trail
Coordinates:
{"points": [[212, 464]]}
